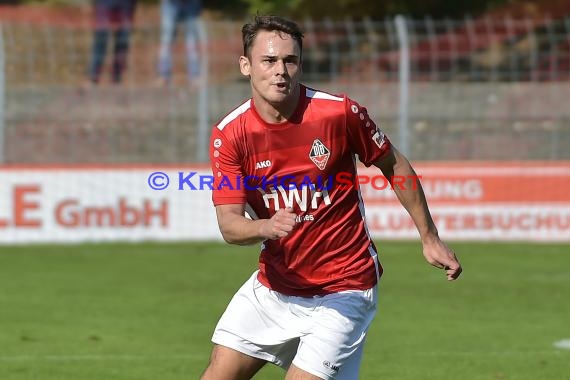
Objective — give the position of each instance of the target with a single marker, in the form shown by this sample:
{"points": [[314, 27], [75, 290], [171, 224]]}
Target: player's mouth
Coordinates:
{"points": [[282, 86]]}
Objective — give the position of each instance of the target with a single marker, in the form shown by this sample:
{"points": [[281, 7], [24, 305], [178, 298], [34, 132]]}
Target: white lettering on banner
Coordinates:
{"points": [[470, 189], [70, 213], [435, 190], [524, 221], [478, 222], [294, 195]]}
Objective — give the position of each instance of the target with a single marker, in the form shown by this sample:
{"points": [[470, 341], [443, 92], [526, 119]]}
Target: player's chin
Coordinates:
{"points": [[278, 97]]}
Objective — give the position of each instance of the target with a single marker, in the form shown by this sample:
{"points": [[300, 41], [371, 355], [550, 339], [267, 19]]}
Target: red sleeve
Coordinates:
{"points": [[364, 137], [227, 171]]}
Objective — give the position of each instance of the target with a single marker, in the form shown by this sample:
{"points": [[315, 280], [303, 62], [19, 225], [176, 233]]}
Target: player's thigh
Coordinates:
{"points": [[258, 323], [295, 373], [228, 364], [333, 349]]}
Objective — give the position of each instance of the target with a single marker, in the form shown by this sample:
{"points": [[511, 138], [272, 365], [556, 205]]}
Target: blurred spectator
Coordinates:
{"points": [[116, 17], [186, 12]]}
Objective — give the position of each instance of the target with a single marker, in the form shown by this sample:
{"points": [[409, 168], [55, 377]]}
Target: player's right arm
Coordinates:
{"points": [[237, 229], [230, 196]]}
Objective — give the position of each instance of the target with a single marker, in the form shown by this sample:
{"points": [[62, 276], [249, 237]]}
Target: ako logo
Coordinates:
{"points": [[319, 154]]}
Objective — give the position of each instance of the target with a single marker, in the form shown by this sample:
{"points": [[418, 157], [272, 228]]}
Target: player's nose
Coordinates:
{"points": [[280, 67]]}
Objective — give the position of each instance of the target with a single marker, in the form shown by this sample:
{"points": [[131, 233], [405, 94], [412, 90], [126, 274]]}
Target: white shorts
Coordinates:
{"points": [[323, 335]]}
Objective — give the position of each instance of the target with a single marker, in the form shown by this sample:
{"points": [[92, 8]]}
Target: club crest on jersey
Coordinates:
{"points": [[319, 154]]}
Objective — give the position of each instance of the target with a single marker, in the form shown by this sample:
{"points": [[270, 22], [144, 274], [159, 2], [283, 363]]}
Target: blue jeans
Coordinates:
{"points": [[116, 19], [187, 13]]}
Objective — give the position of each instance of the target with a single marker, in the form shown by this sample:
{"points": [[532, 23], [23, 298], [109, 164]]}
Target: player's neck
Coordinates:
{"points": [[277, 113]]}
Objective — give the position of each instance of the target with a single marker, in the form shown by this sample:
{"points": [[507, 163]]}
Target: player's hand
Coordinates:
{"points": [[280, 224], [438, 254]]}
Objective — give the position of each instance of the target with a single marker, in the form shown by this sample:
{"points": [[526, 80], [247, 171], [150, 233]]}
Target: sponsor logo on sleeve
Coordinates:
{"points": [[379, 138]]}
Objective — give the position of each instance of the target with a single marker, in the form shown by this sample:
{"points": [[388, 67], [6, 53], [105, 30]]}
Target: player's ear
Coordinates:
{"points": [[244, 65]]}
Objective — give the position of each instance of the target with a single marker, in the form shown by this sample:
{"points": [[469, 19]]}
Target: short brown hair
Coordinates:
{"points": [[269, 23]]}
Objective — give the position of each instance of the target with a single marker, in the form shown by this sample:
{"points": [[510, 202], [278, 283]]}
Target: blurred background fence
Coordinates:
{"points": [[479, 88]]}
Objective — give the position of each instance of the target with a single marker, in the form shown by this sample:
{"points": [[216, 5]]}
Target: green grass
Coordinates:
{"points": [[147, 311]]}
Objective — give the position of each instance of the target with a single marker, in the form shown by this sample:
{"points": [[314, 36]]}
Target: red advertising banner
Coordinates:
{"points": [[469, 201], [481, 201]]}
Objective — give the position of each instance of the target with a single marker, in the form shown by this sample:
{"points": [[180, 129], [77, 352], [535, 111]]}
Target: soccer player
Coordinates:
{"points": [[277, 156]]}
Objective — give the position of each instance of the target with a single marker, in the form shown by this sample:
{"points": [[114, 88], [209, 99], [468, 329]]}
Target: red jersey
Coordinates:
{"points": [[307, 163]]}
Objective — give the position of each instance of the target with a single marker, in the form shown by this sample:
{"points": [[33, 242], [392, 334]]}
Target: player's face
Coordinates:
{"points": [[274, 67]]}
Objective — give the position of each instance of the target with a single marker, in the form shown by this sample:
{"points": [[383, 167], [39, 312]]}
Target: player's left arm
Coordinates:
{"points": [[398, 170]]}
